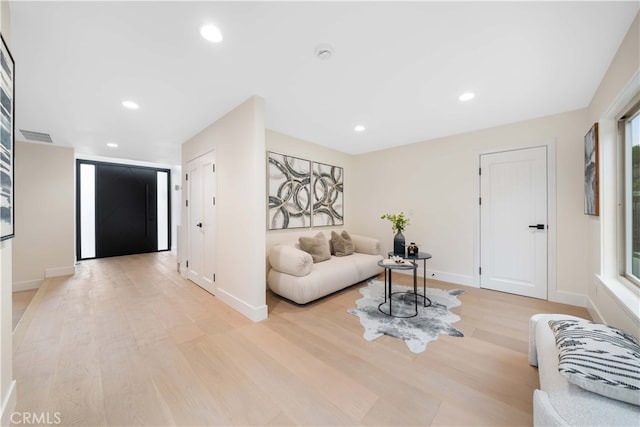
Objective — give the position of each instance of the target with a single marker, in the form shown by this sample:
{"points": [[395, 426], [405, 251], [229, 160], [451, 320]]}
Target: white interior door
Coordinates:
{"points": [[513, 221], [202, 224]]}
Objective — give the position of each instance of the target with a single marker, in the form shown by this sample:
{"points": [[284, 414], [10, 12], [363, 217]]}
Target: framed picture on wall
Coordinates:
{"points": [[591, 182], [7, 93], [289, 182], [328, 195]]}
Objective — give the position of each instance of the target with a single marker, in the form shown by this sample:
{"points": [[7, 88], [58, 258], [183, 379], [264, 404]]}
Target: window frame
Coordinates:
{"points": [[624, 133]]}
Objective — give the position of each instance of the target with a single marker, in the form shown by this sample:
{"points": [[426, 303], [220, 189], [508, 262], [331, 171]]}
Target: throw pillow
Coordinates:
{"points": [[599, 358], [342, 244], [317, 247]]}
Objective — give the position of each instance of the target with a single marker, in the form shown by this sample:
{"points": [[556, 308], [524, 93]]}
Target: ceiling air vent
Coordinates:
{"points": [[36, 136]]}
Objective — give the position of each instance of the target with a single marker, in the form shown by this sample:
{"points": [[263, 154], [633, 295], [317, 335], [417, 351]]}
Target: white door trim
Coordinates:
{"points": [[552, 290]]}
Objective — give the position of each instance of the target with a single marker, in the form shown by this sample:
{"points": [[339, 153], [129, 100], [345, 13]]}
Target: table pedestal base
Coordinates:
{"points": [[388, 294], [387, 310]]}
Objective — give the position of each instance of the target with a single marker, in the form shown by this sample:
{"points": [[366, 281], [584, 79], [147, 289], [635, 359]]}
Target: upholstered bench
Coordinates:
{"points": [[571, 395]]}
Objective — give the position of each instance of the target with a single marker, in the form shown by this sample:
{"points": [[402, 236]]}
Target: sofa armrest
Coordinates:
{"points": [[544, 414], [290, 260], [533, 351], [366, 245], [533, 322]]}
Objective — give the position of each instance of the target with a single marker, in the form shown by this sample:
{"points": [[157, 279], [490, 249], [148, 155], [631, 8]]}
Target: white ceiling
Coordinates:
{"points": [[398, 68]]}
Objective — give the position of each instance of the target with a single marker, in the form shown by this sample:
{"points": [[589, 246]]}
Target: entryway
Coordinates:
{"points": [[514, 221], [122, 209]]}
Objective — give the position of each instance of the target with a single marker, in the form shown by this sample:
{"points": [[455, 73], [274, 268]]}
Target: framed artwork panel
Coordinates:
{"points": [[591, 179], [7, 126], [289, 181], [328, 195]]}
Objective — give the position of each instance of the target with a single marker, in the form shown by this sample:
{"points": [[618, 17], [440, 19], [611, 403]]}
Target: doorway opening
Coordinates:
{"points": [[121, 209]]}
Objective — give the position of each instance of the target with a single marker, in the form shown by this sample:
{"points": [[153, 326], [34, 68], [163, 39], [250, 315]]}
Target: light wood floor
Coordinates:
{"points": [[127, 341], [20, 302]]}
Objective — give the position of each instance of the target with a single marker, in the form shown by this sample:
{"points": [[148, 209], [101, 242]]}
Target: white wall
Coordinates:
{"points": [[44, 245], [7, 383], [610, 300], [436, 184], [238, 139], [290, 146]]}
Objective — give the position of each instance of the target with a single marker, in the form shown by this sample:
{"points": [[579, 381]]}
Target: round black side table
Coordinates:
{"points": [[424, 256], [389, 266]]}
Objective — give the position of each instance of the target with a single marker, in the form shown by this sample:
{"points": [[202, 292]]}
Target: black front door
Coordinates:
{"points": [[126, 210]]}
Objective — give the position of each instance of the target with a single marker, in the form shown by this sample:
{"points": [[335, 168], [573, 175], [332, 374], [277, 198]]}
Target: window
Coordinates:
{"points": [[87, 205], [630, 128]]}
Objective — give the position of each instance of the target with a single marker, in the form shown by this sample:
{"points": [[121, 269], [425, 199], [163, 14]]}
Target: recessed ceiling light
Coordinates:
{"points": [[359, 128], [467, 96], [130, 105], [211, 33], [112, 145]]}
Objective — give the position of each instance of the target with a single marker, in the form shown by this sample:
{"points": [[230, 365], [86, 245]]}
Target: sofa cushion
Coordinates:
{"points": [[290, 260], [599, 358], [342, 244], [366, 245], [317, 247]]}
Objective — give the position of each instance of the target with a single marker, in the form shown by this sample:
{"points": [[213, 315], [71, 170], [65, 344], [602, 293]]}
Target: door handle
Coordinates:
{"points": [[199, 225], [537, 226]]}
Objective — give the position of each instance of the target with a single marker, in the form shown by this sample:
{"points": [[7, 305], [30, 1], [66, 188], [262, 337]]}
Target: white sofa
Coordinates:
{"points": [[558, 402], [295, 276]]}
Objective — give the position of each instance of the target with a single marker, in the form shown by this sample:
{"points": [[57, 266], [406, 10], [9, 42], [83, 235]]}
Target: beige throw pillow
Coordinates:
{"points": [[342, 244], [317, 247]]}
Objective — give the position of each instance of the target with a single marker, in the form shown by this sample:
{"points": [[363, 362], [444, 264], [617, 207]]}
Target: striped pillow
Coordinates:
{"points": [[599, 358]]}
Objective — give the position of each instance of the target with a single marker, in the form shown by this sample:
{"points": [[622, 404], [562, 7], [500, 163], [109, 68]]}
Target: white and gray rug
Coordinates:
{"points": [[417, 331]]}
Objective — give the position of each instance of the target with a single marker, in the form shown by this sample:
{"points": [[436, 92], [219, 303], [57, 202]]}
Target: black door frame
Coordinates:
{"points": [[96, 163]]}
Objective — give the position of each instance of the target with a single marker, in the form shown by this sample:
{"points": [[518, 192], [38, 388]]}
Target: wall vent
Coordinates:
{"points": [[36, 136]]}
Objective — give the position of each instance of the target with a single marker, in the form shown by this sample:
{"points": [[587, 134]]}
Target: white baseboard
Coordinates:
{"points": [[462, 279], [594, 312], [256, 314], [457, 279], [26, 285], [568, 298], [9, 404], [60, 271], [48, 272]]}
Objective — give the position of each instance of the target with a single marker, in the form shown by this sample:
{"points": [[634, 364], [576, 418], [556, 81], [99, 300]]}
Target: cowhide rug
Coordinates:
{"points": [[417, 331]]}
